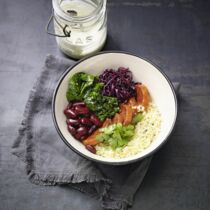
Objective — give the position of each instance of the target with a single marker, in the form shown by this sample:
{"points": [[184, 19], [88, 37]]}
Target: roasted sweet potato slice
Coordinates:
{"points": [[128, 115], [91, 140], [139, 94], [142, 95], [106, 123], [117, 119], [122, 113], [132, 102]]}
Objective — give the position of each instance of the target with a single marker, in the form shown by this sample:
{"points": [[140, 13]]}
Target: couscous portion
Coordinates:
{"points": [[145, 133]]}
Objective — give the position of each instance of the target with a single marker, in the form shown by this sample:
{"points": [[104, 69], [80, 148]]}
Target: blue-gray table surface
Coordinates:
{"points": [[173, 34]]}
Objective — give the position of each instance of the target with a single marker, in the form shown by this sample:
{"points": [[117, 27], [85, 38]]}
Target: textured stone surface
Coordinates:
{"points": [[173, 34]]}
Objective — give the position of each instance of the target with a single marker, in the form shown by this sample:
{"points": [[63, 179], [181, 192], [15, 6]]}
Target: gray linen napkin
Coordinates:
{"points": [[49, 161]]}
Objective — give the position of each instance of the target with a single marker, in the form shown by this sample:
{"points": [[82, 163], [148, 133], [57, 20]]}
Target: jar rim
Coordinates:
{"points": [[63, 15]]}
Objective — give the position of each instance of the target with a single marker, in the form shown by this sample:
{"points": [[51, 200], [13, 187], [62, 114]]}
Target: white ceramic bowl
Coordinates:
{"points": [[160, 88]]}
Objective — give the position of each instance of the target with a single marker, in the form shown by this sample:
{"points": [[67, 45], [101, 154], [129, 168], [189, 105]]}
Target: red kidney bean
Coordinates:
{"points": [[72, 130], [82, 131], [81, 110], [93, 127], [78, 136], [70, 113], [86, 121], [64, 111], [83, 137], [95, 120], [79, 103], [72, 122], [91, 148], [86, 115]]}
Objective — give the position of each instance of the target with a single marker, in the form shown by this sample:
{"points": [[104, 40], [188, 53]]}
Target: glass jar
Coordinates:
{"points": [[80, 26]]}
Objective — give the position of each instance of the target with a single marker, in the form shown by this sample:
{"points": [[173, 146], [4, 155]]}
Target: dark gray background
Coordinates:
{"points": [[173, 34]]}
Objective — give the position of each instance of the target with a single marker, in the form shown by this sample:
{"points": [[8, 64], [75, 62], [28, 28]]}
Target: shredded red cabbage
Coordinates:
{"points": [[118, 83]]}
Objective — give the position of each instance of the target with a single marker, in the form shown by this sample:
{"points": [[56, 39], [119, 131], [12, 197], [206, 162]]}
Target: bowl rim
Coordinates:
{"points": [[109, 162]]}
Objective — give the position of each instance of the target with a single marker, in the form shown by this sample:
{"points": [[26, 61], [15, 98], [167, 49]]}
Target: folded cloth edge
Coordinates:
{"points": [[46, 179]]}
